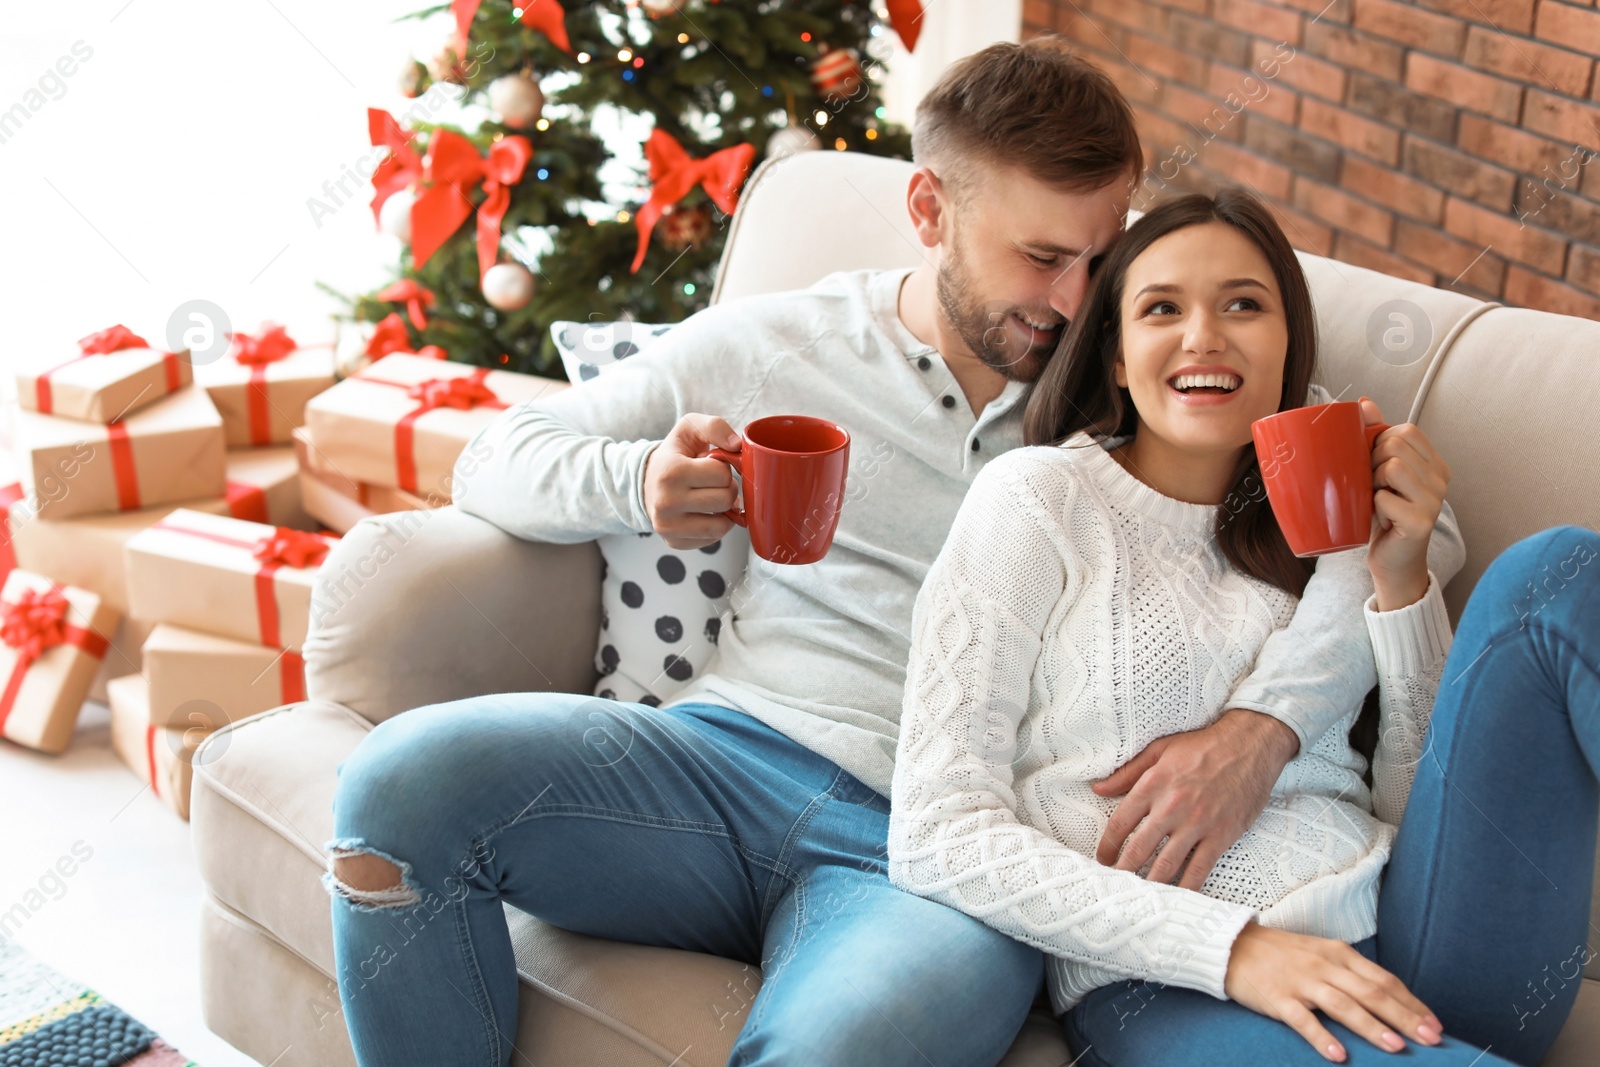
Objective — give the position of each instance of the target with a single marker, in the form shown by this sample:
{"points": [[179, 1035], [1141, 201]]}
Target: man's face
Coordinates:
{"points": [[1017, 264]]}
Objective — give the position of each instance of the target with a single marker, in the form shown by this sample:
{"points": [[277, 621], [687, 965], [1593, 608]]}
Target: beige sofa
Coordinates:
{"points": [[426, 607]]}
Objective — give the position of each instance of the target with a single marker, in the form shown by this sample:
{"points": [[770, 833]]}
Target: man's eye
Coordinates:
{"points": [[1043, 261]]}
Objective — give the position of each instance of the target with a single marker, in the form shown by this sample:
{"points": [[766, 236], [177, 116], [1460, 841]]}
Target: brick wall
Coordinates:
{"points": [[1449, 141]]}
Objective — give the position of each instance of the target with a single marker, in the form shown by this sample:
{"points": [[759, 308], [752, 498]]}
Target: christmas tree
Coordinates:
{"points": [[508, 228]]}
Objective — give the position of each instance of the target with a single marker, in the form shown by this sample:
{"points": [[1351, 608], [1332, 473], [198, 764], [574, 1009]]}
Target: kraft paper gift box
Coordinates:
{"points": [[262, 383], [226, 576], [162, 757], [329, 505], [123, 656], [198, 678], [168, 452], [52, 638], [114, 373], [403, 420], [264, 486]]}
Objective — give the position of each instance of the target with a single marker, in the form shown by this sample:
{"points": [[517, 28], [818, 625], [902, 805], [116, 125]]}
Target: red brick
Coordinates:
{"points": [[1210, 117], [1348, 48], [1343, 211], [1521, 244], [1248, 169], [1203, 37], [1194, 7], [1410, 25], [1350, 130], [1323, 10], [1350, 249], [1038, 13], [1398, 106], [1548, 201], [1083, 30], [1258, 94], [1512, 16], [1304, 72], [1134, 14], [1294, 149], [1263, 20], [1568, 25], [1537, 64], [1565, 120], [1466, 176], [1467, 88], [1157, 57], [1583, 267], [1304, 232], [1527, 289], [1405, 195], [1133, 84], [1457, 262], [1510, 146]]}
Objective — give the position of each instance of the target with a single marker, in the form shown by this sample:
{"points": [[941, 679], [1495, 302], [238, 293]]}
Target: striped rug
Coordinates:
{"points": [[48, 1020]]}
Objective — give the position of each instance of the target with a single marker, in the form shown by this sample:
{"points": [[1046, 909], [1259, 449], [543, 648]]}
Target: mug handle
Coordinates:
{"points": [[1372, 433], [732, 459]]}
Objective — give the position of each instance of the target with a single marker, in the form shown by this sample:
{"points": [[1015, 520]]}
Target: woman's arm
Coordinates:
{"points": [[1410, 644], [954, 833]]}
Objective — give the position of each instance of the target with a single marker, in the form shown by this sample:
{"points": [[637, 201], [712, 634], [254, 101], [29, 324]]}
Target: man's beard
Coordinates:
{"points": [[983, 326]]}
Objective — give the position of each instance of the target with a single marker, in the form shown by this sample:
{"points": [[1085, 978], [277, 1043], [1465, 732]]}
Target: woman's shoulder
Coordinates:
{"points": [[1047, 476]]}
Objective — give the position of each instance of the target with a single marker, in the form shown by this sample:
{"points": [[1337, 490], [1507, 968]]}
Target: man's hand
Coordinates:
{"points": [[1199, 790], [685, 490]]}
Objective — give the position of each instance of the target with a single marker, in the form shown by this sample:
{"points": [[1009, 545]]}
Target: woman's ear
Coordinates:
{"points": [[1119, 371]]}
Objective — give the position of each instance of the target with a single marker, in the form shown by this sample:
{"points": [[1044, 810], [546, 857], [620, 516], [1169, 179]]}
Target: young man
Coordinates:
{"points": [[748, 816]]}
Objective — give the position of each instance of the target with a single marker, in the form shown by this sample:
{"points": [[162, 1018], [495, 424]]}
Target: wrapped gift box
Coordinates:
{"points": [[216, 678], [313, 460], [167, 452], [402, 421], [264, 486], [161, 756], [54, 639], [123, 656], [115, 373], [328, 504], [263, 382], [217, 575]]}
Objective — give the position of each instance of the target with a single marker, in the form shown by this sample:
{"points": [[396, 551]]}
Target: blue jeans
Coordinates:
{"points": [[693, 827], [1484, 908]]}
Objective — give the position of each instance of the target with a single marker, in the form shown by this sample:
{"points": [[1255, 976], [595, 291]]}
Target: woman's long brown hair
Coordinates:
{"points": [[1078, 389]]}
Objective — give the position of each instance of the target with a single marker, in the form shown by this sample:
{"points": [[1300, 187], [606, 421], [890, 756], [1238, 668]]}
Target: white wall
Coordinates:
{"points": [[951, 29]]}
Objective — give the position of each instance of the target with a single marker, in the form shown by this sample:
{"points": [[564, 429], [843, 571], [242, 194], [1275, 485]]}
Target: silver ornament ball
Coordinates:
{"points": [[508, 286], [517, 99], [394, 217]]}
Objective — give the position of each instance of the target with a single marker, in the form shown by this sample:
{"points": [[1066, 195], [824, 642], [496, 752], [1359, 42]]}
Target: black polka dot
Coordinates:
{"points": [[623, 349], [711, 549], [659, 330], [713, 629], [678, 668], [651, 699], [632, 595], [671, 569], [947, 400], [669, 628], [605, 619], [974, 444], [712, 584], [587, 371], [569, 339], [607, 694], [609, 659]]}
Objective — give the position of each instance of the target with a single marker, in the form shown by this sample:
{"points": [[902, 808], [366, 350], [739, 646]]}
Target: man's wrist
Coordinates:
{"points": [[1271, 733]]}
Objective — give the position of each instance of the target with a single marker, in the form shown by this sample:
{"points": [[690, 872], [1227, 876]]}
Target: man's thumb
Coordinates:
{"points": [[698, 432]]}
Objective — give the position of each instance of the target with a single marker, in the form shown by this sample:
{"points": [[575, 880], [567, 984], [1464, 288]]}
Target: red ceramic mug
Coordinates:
{"points": [[1317, 465], [793, 469]]}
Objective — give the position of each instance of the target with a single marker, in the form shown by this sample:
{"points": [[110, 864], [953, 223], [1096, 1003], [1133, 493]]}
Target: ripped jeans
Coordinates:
{"points": [[692, 827]]}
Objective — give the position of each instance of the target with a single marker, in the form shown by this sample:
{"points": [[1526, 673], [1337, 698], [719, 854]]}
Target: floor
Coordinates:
{"points": [[126, 921]]}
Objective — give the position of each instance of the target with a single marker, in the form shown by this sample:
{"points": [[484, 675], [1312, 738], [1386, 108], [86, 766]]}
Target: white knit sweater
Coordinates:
{"points": [[1073, 616]]}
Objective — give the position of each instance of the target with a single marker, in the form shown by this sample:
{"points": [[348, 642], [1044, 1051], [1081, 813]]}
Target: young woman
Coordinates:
{"points": [[1110, 585]]}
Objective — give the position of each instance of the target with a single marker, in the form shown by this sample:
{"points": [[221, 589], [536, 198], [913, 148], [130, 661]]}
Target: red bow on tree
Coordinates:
{"points": [[452, 168], [273, 344], [112, 339], [292, 548], [906, 18], [414, 296], [34, 623], [546, 16], [390, 337], [398, 170], [464, 393], [673, 172]]}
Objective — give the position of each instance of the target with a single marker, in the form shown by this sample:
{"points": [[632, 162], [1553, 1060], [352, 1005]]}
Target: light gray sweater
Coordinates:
{"points": [[819, 652]]}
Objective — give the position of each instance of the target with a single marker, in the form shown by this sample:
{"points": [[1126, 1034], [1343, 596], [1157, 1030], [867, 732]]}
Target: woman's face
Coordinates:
{"points": [[1202, 301]]}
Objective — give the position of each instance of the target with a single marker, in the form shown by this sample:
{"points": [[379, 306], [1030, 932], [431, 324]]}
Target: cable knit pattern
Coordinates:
{"points": [[1073, 616]]}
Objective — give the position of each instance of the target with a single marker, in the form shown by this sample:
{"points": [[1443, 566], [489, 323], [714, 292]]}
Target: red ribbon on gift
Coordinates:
{"points": [[123, 472], [248, 502], [463, 393], [101, 343], [451, 170], [391, 337], [283, 547], [34, 624], [906, 18], [414, 296], [546, 16], [673, 172], [401, 168], [272, 345]]}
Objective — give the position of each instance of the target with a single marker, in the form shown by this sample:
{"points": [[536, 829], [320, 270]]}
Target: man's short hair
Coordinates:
{"points": [[1036, 106]]}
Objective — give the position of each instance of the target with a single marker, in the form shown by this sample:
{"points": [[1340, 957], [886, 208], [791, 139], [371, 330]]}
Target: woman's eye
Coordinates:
{"points": [[1249, 304], [1161, 307]]}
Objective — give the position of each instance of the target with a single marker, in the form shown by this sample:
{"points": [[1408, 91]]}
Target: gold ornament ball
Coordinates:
{"points": [[508, 286], [448, 66], [517, 99], [686, 227]]}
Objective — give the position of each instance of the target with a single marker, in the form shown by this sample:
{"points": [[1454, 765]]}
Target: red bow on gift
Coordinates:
{"points": [[398, 170], [451, 170], [273, 344], [673, 172], [414, 296], [463, 393], [906, 18], [546, 16], [34, 623], [112, 339], [390, 337], [292, 548]]}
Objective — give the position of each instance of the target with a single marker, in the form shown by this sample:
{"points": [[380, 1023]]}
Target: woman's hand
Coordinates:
{"points": [[1289, 976], [1409, 478]]}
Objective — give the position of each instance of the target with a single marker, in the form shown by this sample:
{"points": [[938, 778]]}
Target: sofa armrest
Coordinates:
{"points": [[420, 607]]}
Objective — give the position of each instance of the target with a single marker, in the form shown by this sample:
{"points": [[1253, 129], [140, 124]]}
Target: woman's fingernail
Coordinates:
{"points": [[1430, 1034], [1335, 1053], [1393, 1040]]}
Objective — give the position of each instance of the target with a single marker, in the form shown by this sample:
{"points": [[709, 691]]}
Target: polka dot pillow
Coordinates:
{"points": [[661, 608]]}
